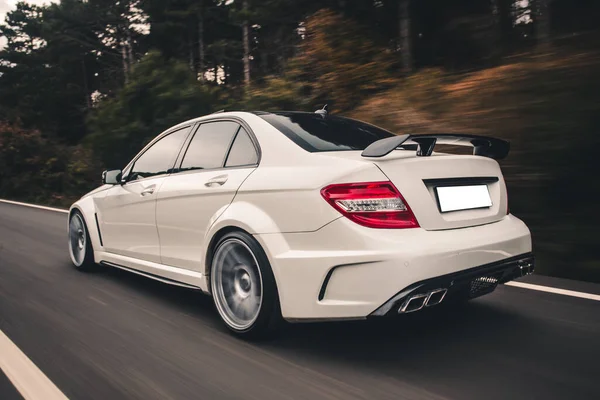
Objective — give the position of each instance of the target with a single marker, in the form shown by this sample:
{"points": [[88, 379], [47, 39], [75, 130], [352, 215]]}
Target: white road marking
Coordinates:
{"points": [[540, 288], [25, 375], [18, 203], [548, 289]]}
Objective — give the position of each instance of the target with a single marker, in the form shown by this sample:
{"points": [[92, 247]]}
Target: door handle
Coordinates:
{"points": [[216, 181], [147, 191]]}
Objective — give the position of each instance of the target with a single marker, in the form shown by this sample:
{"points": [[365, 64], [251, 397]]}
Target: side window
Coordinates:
{"points": [[242, 151], [209, 145], [159, 158]]}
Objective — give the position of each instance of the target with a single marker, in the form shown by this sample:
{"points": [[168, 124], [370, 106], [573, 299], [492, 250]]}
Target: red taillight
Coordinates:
{"points": [[372, 204]]}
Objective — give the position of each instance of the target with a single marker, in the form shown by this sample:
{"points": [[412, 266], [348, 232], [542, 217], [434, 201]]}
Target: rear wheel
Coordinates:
{"points": [[243, 286], [80, 245]]}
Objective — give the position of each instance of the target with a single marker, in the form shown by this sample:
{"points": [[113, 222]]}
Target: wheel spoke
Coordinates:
{"points": [[77, 239], [234, 256], [237, 284]]}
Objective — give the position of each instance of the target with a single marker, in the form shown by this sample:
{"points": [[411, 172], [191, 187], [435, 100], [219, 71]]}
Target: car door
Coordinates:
{"points": [[218, 159], [127, 214]]}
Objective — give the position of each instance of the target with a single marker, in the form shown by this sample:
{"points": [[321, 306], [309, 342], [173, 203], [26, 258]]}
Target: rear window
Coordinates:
{"points": [[242, 151], [314, 132], [209, 145]]}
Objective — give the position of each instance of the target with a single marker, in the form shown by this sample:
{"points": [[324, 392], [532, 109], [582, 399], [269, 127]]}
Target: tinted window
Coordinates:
{"points": [[159, 158], [242, 151], [314, 132], [209, 145]]}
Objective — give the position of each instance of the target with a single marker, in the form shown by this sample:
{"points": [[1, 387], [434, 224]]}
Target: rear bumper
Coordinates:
{"points": [[347, 271], [470, 283]]}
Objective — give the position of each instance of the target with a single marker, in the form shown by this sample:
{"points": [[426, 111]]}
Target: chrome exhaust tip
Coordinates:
{"points": [[418, 301], [414, 303], [435, 297]]}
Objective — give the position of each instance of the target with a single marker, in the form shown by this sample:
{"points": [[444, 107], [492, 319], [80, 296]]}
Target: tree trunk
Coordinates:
{"points": [[201, 46], [191, 52], [129, 48], [264, 62], [281, 54], [495, 45], [507, 21], [246, 39], [88, 100], [541, 11], [503, 18], [124, 36], [405, 45], [125, 63]]}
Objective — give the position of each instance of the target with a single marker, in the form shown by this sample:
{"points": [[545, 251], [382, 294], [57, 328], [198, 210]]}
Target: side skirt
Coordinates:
{"points": [[151, 276], [163, 273]]}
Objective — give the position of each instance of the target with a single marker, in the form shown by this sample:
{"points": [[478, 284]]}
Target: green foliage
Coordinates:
{"points": [[339, 62], [56, 57], [274, 93], [37, 169], [159, 94]]}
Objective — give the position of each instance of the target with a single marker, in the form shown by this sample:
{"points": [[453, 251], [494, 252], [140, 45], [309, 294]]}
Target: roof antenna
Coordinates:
{"points": [[323, 111]]}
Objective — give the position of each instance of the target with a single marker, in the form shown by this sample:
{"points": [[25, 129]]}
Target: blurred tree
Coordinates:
{"points": [[274, 93], [121, 27], [48, 67], [541, 18], [570, 17], [405, 37], [160, 93], [339, 63], [246, 42], [277, 27], [38, 169], [201, 33], [463, 34], [503, 18]]}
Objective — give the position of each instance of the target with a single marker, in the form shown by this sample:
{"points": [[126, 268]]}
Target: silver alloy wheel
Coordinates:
{"points": [[236, 284], [77, 239]]}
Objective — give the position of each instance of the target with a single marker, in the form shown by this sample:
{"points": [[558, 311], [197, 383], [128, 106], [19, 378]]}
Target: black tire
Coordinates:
{"points": [[82, 257], [237, 265]]}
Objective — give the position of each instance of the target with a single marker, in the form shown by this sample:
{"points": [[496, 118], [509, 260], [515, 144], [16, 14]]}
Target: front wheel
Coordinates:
{"points": [[243, 286], [80, 245]]}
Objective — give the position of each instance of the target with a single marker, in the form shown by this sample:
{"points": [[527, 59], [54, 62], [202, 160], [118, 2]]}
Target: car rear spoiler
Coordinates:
{"points": [[424, 144]]}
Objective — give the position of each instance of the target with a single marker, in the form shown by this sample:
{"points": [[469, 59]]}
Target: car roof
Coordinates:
{"points": [[240, 113], [278, 112]]}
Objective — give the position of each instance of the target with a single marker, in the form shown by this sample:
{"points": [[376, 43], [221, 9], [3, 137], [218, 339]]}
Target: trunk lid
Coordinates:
{"points": [[418, 177]]}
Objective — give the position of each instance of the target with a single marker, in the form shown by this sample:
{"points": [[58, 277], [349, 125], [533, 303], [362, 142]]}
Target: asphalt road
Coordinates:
{"points": [[114, 335]]}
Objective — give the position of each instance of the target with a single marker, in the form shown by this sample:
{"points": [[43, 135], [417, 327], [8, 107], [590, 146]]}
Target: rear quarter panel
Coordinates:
{"points": [[283, 194], [288, 198]]}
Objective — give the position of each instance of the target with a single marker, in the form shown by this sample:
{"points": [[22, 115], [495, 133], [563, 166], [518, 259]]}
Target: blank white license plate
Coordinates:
{"points": [[454, 198]]}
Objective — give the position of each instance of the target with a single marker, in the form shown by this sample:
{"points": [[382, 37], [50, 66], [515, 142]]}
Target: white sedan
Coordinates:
{"points": [[306, 217]]}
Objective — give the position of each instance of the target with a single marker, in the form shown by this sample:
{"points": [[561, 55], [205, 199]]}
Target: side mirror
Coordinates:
{"points": [[112, 177]]}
